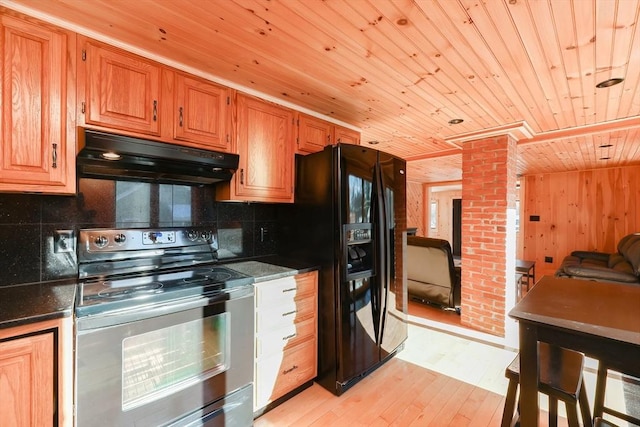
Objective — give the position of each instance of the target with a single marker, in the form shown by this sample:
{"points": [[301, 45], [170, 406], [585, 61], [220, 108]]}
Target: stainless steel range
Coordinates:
{"points": [[164, 334]]}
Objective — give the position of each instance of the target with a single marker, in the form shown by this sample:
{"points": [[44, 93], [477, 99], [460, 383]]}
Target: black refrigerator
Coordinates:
{"points": [[349, 218]]}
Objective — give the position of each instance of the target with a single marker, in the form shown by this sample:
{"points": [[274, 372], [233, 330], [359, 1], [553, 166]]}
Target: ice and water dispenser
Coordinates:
{"points": [[359, 250]]}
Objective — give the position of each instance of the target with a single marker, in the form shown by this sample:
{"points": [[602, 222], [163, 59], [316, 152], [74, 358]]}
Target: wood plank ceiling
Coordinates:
{"points": [[401, 70]]}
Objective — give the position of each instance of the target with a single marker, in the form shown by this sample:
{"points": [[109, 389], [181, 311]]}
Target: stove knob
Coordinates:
{"points": [[101, 241], [206, 235], [119, 238], [192, 235]]}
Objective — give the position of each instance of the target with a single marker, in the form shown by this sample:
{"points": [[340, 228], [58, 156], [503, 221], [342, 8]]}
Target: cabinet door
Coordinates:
{"points": [[122, 90], [26, 381], [265, 145], [37, 103], [313, 134], [346, 136], [202, 113]]}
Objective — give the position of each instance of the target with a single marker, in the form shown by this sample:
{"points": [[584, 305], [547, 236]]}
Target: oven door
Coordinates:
{"points": [[156, 366]]}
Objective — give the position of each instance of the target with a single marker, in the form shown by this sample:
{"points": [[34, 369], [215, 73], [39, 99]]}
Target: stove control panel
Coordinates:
{"points": [[113, 242], [158, 237]]}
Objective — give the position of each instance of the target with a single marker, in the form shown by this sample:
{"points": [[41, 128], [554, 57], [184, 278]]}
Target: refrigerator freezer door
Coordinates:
{"points": [[358, 330]]}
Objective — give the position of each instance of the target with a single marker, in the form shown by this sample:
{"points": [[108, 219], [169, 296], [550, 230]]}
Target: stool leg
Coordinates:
{"points": [[584, 406], [509, 403], [601, 385], [572, 414], [553, 412]]}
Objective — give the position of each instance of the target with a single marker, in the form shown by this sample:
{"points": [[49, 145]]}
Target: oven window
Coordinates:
{"points": [[161, 362]]}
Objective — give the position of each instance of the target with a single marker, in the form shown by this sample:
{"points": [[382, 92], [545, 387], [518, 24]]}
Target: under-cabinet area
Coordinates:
{"points": [[286, 336]]}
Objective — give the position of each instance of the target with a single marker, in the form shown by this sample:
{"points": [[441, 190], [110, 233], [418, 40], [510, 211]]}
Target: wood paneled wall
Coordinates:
{"points": [[444, 223], [415, 207], [586, 210]]}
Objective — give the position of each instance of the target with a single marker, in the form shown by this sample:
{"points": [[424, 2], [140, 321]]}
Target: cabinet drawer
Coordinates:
{"points": [[285, 338], [281, 315], [278, 374], [286, 289]]}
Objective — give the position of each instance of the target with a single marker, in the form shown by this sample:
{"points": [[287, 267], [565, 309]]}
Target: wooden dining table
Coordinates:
{"points": [[599, 319]]}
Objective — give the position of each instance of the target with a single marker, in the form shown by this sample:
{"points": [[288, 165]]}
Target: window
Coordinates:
{"points": [[433, 215]]}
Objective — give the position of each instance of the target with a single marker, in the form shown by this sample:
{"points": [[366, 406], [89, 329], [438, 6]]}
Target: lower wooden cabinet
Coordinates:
{"points": [[286, 336], [30, 358]]}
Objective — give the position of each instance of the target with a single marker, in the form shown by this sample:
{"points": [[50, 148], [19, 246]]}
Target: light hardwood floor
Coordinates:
{"points": [[437, 380]]}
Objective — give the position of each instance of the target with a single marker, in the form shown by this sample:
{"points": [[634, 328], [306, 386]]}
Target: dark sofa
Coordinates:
{"points": [[620, 267], [431, 274]]}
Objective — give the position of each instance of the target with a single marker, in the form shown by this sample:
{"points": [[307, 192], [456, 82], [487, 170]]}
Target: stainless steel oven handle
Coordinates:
{"points": [[142, 312]]}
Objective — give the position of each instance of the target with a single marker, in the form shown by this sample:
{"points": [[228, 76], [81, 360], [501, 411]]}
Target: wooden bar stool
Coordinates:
{"points": [[598, 403], [599, 422], [560, 378]]}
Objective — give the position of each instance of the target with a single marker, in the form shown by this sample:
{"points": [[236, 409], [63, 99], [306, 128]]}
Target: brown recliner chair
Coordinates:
{"points": [[431, 274]]}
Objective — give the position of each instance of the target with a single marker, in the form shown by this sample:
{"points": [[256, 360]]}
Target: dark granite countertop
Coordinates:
{"points": [[35, 302], [271, 267]]}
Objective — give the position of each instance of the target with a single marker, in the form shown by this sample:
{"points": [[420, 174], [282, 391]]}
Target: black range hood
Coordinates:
{"points": [[109, 156]]}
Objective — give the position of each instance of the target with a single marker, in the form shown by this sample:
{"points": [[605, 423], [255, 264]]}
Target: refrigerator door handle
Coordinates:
{"points": [[376, 280], [382, 241], [386, 276]]}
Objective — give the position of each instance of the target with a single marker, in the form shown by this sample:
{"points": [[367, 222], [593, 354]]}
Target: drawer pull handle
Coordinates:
{"points": [[54, 156], [289, 313], [289, 290], [291, 369], [289, 336]]}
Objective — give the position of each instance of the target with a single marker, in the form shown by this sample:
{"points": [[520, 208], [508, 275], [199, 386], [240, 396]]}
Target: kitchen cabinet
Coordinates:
{"points": [[286, 336], [201, 113], [265, 139], [345, 135], [124, 93], [37, 100], [313, 134], [121, 90], [35, 374]]}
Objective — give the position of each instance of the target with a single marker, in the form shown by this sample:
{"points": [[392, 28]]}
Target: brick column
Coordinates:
{"points": [[488, 260]]}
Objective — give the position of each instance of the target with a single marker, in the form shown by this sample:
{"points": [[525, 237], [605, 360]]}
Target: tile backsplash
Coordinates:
{"points": [[28, 223]]}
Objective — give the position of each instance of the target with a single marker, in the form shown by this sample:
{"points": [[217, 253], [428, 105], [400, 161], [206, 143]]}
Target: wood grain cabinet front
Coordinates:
{"points": [[121, 90], [37, 100], [200, 112], [286, 336], [265, 140], [35, 374], [345, 135], [314, 134]]}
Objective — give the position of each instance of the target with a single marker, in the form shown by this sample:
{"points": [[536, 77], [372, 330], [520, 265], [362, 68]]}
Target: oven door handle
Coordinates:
{"points": [[142, 312]]}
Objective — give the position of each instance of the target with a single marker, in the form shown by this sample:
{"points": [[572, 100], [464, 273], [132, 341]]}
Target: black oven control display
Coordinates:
{"points": [[158, 237]]}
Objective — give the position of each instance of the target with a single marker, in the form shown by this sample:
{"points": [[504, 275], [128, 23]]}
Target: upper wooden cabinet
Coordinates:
{"points": [[314, 134], [121, 90], [343, 135], [200, 112], [265, 139], [37, 99]]}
